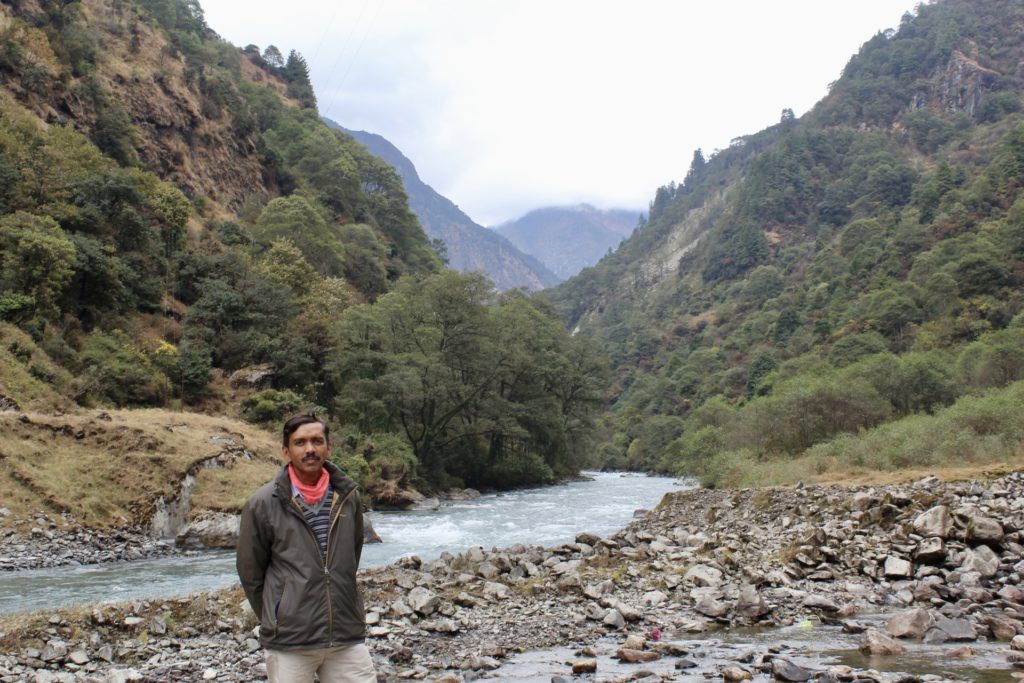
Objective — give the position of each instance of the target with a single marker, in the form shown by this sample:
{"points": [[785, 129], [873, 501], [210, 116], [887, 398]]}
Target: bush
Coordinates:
{"points": [[119, 373], [691, 454], [986, 428], [809, 410], [271, 407]]}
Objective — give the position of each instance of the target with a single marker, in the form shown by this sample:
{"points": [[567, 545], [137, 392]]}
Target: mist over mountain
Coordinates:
{"points": [[568, 239], [469, 246]]}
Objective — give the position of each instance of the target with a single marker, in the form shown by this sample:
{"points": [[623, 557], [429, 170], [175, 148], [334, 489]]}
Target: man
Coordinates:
{"points": [[298, 550]]}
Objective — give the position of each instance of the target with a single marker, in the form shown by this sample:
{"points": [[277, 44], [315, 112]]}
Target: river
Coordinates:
{"points": [[544, 516]]}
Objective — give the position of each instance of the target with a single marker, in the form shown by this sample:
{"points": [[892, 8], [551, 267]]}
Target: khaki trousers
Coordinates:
{"points": [[342, 664]]}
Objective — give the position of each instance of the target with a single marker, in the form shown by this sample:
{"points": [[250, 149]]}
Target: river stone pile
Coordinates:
{"points": [[943, 560], [40, 542]]}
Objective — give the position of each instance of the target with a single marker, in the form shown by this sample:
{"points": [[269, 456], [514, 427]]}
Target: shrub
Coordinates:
{"points": [[271, 407], [117, 372]]}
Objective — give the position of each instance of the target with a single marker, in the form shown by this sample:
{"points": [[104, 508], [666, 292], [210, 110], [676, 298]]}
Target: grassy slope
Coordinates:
{"points": [[107, 468]]}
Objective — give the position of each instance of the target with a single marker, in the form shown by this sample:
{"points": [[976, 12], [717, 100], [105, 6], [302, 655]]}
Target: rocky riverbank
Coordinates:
{"points": [[927, 564], [40, 542]]}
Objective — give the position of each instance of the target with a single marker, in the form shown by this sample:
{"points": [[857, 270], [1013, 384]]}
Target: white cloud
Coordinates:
{"points": [[505, 107]]}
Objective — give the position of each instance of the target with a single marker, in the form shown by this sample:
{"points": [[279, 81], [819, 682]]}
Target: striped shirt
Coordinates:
{"points": [[318, 516]]}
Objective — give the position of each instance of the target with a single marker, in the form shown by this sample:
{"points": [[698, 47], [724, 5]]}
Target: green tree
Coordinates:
{"points": [[36, 260], [294, 218]]}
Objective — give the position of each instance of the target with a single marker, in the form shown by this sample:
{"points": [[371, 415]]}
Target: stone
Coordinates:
{"points": [[448, 678], [400, 609], [440, 626], [488, 570], [956, 629], [653, 598], [785, 670], [735, 673], [253, 377], [496, 591], [423, 601], [55, 650], [936, 522], [703, 575], [930, 550], [635, 641], [898, 568], [369, 534], [750, 604], [631, 656], [584, 666], [982, 529], [909, 624], [709, 606], [982, 560], [863, 501], [1003, 628], [815, 601], [1011, 593], [588, 538], [79, 657], [874, 642], [1017, 643], [209, 674], [614, 619]]}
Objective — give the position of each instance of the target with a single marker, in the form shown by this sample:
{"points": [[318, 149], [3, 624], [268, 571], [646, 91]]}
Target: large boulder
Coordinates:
{"points": [[981, 529], [956, 629], [936, 522], [253, 377], [212, 530], [931, 550], [750, 603], [982, 560], [874, 642], [703, 575], [898, 568], [910, 624], [369, 534]]}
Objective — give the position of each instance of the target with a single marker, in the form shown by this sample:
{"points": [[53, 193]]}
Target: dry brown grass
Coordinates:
{"points": [[110, 472]]}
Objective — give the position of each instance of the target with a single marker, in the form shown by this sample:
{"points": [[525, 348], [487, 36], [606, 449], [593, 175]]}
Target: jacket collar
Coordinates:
{"points": [[340, 482]]}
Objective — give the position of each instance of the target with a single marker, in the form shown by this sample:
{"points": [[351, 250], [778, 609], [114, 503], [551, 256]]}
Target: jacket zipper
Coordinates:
{"points": [[325, 555]]}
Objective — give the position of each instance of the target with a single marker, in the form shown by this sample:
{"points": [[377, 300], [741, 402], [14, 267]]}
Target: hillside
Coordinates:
{"points": [[180, 231], [110, 469], [570, 238], [469, 247], [839, 290]]}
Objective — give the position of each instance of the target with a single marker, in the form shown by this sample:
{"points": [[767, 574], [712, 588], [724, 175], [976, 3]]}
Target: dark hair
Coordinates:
{"points": [[297, 421]]}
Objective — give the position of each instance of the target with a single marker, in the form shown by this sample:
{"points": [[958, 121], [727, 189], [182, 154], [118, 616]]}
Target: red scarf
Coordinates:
{"points": [[310, 494]]}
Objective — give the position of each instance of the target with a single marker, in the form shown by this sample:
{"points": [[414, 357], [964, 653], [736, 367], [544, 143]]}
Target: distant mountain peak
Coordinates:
{"points": [[470, 246], [568, 239]]}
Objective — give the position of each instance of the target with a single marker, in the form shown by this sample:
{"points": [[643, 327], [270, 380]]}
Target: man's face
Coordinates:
{"points": [[307, 450]]}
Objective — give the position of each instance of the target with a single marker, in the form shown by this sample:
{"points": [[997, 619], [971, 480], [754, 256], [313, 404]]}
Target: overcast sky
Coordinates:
{"points": [[509, 106]]}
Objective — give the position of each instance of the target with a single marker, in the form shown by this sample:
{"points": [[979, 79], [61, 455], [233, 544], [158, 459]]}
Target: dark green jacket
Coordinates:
{"points": [[301, 599]]}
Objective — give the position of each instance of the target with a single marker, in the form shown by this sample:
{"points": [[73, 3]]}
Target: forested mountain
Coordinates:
{"points": [[468, 246], [179, 229], [840, 291], [567, 239]]}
